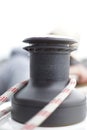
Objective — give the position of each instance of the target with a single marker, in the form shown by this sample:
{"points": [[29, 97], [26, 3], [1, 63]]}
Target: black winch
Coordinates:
{"points": [[49, 74]]}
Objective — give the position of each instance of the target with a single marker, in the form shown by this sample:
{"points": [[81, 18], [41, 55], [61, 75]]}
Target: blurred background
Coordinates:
{"points": [[20, 19]]}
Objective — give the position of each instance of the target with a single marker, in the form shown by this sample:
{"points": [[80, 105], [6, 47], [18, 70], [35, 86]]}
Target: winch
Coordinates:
{"points": [[49, 75]]}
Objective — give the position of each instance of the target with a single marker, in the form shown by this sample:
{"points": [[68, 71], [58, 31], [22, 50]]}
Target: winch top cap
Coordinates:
{"points": [[50, 40]]}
